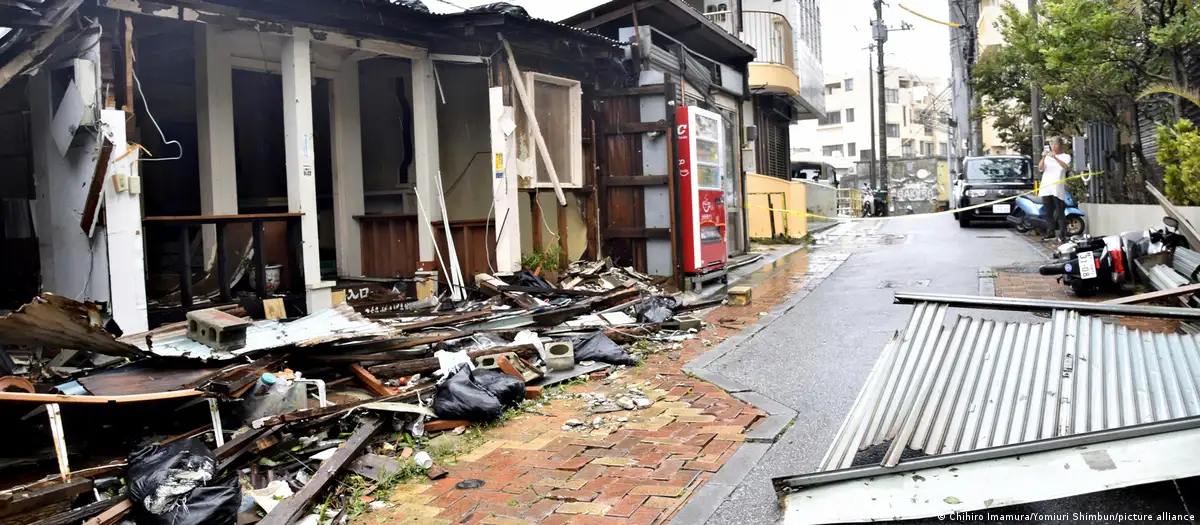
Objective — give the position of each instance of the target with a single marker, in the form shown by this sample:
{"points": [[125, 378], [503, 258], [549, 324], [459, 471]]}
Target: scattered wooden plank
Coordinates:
{"points": [[290, 509], [81, 513], [301, 415], [27, 500], [370, 381], [1153, 296], [375, 467], [113, 515], [445, 424], [436, 472], [236, 379], [550, 291], [508, 368], [96, 400], [274, 309], [430, 364]]}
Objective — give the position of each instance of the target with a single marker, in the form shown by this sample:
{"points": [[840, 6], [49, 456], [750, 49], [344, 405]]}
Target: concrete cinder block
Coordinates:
{"points": [[493, 361], [740, 295], [217, 329], [686, 322]]}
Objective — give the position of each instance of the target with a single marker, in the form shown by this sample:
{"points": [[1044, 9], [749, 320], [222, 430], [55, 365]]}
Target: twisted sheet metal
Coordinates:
{"points": [[981, 384], [333, 324]]}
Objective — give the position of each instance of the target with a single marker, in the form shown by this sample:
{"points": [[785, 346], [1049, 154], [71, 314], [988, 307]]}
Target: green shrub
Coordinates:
{"points": [[1179, 155]]}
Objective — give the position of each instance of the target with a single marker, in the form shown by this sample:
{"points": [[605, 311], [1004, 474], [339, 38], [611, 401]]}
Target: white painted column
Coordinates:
{"points": [[505, 195], [301, 161], [123, 225], [348, 199], [425, 131], [214, 133]]}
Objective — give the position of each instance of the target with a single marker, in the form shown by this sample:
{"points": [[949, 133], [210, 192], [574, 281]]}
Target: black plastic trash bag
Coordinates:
{"points": [[526, 278], [598, 347], [476, 395], [657, 309], [509, 390], [502, 8], [172, 485]]}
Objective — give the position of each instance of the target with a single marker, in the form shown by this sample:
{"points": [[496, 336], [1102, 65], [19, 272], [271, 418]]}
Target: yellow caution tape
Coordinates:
{"points": [[955, 210]]}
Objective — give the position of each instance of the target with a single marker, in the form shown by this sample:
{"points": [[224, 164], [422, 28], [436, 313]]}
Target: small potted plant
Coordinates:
{"points": [[543, 262]]}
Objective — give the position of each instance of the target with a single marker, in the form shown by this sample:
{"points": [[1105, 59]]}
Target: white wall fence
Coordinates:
{"points": [[820, 199], [1111, 219]]}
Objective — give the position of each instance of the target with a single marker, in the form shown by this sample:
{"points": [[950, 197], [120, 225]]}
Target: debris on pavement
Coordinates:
{"points": [[227, 418]]}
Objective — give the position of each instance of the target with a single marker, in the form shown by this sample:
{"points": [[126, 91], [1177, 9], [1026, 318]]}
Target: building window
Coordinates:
{"points": [[864, 154], [833, 117], [904, 115], [893, 95], [851, 150], [849, 114], [830, 87], [942, 149], [929, 130], [557, 106], [849, 83], [893, 130], [828, 151], [906, 150], [926, 149]]}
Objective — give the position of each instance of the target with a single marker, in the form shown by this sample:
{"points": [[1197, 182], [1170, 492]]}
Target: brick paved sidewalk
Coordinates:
{"points": [[1026, 284], [638, 471]]}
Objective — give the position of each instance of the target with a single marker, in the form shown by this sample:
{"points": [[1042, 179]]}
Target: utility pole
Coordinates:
{"points": [[881, 34], [871, 107], [1035, 103]]}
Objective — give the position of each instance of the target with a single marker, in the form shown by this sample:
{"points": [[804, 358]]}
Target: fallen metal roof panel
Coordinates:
{"points": [[946, 486], [337, 323], [58, 322], [983, 383]]}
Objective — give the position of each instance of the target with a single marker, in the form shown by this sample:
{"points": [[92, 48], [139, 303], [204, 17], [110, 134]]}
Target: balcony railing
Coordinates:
{"points": [[770, 34]]}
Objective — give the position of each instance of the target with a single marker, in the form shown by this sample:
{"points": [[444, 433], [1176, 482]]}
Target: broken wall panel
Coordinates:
{"points": [[619, 155], [389, 244]]}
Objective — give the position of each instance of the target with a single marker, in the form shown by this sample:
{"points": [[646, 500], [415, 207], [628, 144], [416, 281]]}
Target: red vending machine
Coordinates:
{"points": [[701, 170]]}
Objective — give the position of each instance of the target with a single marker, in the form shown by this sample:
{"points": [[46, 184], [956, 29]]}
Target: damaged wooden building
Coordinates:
{"points": [[160, 157]]}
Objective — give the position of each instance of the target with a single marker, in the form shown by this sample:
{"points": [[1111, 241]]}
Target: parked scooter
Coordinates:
{"points": [[1091, 264], [1029, 213], [873, 204]]}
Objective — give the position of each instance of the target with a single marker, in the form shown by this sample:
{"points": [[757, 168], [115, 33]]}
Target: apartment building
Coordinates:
{"points": [[917, 108], [786, 77]]}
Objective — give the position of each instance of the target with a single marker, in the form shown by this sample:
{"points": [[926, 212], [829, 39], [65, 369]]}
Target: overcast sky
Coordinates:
{"points": [[845, 28]]}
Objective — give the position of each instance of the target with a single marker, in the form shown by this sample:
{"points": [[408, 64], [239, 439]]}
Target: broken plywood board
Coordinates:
{"points": [[57, 322]]}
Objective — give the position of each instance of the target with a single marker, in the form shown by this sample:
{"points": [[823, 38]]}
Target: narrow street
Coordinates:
{"points": [[828, 342]]}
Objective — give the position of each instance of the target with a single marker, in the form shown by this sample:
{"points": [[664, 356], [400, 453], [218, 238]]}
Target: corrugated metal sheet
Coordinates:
{"points": [[58, 322], [339, 322], [982, 383]]}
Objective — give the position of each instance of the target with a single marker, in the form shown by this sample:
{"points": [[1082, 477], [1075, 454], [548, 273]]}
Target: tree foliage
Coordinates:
{"points": [[1179, 154], [1093, 58]]}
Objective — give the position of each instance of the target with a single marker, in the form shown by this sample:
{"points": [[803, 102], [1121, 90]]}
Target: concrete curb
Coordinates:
{"points": [[709, 497]]}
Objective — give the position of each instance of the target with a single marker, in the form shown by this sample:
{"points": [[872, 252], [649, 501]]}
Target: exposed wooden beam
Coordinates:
{"points": [[614, 15]]}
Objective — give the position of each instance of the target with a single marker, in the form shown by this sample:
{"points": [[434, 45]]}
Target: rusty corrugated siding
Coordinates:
{"points": [[58, 322]]}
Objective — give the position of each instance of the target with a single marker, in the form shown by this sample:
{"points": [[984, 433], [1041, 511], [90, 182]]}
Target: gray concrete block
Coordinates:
{"points": [[769, 429], [764, 403], [721, 381]]}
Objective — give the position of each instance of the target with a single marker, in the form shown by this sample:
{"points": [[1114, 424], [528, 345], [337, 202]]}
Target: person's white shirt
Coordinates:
{"points": [[1052, 176]]}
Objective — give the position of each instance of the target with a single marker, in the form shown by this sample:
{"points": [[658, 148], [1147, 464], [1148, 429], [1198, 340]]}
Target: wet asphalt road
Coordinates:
{"points": [[830, 340]]}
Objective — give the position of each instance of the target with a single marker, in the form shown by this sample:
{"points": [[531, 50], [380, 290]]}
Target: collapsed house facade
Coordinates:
{"points": [[159, 154]]}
